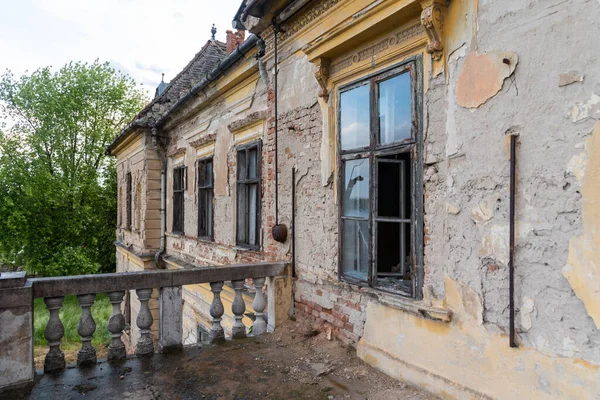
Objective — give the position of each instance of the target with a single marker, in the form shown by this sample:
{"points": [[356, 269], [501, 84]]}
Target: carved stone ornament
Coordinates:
{"points": [[322, 75], [432, 19]]}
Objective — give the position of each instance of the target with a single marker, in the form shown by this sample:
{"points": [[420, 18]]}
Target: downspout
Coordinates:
{"points": [[163, 193], [511, 241], [279, 231]]}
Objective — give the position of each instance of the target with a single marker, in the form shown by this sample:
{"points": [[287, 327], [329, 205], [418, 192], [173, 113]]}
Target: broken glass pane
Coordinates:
{"points": [[355, 198]]}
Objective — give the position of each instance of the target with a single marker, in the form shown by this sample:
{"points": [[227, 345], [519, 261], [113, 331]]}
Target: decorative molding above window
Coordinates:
{"points": [[249, 132], [250, 119], [322, 75], [397, 38], [204, 140], [180, 151], [432, 19]]}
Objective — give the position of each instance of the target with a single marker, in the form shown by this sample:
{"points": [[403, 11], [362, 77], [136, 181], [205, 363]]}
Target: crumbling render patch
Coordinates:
{"points": [[482, 76], [569, 78], [583, 264], [586, 109], [464, 300]]}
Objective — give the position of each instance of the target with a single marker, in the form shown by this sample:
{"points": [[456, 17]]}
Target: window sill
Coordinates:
{"points": [[404, 303], [205, 239], [416, 307], [241, 247]]}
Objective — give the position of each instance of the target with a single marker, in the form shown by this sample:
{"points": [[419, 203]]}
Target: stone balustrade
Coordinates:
{"points": [[19, 293]]}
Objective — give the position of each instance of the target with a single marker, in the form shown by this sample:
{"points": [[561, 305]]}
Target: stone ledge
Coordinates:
{"points": [[412, 306], [416, 307], [12, 279]]}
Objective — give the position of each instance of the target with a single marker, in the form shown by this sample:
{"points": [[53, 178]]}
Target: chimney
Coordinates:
{"points": [[234, 39]]}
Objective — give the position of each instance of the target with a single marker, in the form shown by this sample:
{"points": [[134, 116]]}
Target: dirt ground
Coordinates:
{"points": [[295, 362]]}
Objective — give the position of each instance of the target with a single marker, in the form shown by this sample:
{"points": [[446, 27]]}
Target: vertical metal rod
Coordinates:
{"points": [[511, 256], [275, 30], [294, 222]]}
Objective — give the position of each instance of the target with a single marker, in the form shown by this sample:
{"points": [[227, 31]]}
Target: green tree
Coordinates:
{"points": [[57, 185]]}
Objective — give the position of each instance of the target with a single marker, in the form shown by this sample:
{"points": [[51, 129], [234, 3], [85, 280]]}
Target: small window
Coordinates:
{"points": [[248, 195], [129, 189], [119, 207], [205, 198], [381, 203], [202, 334], [179, 184]]}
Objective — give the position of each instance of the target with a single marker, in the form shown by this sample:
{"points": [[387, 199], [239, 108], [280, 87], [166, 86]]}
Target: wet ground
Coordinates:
{"points": [[292, 363]]}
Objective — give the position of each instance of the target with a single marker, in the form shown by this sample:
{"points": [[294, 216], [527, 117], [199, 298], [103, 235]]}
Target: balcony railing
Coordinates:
{"points": [[17, 294]]}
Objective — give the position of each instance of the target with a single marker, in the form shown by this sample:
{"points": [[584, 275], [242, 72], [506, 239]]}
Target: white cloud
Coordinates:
{"points": [[140, 37]]}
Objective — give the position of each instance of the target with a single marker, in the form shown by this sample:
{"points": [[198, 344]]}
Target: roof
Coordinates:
{"points": [[203, 62], [161, 88]]}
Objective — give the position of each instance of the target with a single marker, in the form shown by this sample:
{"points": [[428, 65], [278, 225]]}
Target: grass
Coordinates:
{"points": [[70, 314]]}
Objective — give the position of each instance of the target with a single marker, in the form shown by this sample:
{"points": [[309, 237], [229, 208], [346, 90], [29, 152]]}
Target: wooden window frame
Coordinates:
{"points": [[258, 181], [202, 207], [414, 145], [179, 230]]}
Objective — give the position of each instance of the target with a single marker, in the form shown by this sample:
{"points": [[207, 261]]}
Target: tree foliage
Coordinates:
{"points": [[57, 185]]}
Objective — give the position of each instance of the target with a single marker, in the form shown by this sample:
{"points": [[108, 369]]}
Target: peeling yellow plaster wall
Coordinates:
{"points": [[463, 359], [483, 75], [583, 264]]}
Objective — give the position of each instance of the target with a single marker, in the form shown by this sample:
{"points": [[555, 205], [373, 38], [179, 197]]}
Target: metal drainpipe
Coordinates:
{"points": [[511, 255], [279, 231], [163, 194]]}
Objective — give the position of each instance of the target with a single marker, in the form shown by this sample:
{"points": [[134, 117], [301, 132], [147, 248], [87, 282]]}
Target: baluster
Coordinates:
{"points": [[86, 328], [260, 325], [216, 333], [55, 359], [144, 322], [116, 324], [238, 308]]}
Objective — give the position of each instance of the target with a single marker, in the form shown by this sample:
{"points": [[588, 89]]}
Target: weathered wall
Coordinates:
{"points": [[16, 331], [513, 67], [140, 159], [547, 99]]}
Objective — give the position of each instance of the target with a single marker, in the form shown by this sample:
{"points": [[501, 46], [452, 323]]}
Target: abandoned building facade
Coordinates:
{"points": [[371, 145]]}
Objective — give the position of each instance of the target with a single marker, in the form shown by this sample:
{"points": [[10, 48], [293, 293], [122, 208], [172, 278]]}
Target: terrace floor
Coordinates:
{"points": [[292, 363]]}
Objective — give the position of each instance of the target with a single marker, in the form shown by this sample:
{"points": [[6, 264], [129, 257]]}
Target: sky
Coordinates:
{"points": [[142, 38]]}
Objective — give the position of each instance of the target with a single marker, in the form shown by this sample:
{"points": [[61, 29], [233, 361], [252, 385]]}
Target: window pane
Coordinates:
{"points": [[202, 212], [395, 120], [252, 170], [201, 173], [355, 245], [178, 212], [242, 215], [252, 213], [241, 165], [209, 173], [354, 118], [355, 196], [209, 211]]}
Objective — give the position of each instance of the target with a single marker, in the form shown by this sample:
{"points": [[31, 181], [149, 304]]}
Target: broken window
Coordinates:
{"points": [[128, 203], [179, 180], [205, 198], [381, 201], [248, 195]]}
